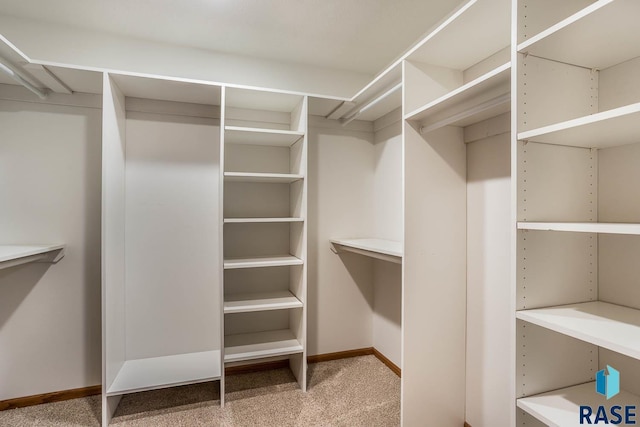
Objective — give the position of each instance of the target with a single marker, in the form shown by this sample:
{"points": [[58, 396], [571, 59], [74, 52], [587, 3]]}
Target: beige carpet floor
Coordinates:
{"points": [[358, 391]]}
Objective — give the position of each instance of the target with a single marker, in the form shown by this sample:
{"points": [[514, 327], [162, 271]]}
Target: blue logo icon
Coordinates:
{"points": [[608, 382]]}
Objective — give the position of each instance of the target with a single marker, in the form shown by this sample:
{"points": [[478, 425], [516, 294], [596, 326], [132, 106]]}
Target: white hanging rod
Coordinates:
{"points": [[372, 103], [487, 105], [42, 94]]}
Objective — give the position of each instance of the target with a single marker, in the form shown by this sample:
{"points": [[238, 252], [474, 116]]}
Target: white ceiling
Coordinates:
{"points": [[354, 35]]}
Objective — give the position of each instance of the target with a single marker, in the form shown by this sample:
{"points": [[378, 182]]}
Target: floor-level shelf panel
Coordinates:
{"points": [[260, 220], [263, 261], [619, 126], [276, 178], [598, 36], [582, 227], [387, 250], [167, 371], [12, 255], [256, 136], [263, 301], [611, 326], [257, 345], [561, 408]]}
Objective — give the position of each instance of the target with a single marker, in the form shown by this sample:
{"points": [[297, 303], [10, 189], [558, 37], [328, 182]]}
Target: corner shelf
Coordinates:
{"points": [[610, 326], [262, 261], [12, 255], [560, 408], [240, 347], [260, 220], [610, 128], [275, 178], [582, 227], [387, 250], [167, 371], [257, 136], [599, 36], [264, 301]]}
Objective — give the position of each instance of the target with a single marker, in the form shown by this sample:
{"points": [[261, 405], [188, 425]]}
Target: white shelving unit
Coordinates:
{"points": [[386, 250], [13, 255], [265, 190], [578, 218]]}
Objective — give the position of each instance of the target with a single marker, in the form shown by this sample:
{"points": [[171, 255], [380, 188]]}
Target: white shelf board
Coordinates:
{"points": [[582, 227], [598, 36], [611, 326], [257, 345], [260, 220], [262, 261], [167, 371], [453, 43], [388, 250], [12, 255], [256, 136], [263, 301], [561, 408], [610, 128], [500, 76], [276, 178]]}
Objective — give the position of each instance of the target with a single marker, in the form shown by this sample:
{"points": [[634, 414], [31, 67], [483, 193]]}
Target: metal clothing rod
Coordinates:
{"points": [[17, 77], [372, 103]]}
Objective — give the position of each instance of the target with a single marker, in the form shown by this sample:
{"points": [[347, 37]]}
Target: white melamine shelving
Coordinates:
{"points": [[255, 136], [611, 326], [262, 301], [260, 220], [166, 371], [240, 347], [561, 408], [496, 78], [598, 36], [582, 227], [12, 255], [387, 250], [275, 178], [262, 261], [610, 128]]}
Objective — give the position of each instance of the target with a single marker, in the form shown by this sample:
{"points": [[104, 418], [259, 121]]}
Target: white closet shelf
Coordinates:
{"points": [[263, 301], [260, 220], [611, 326], [257, 345], [275, 178], [496, 79], [582, 227], [598, 36], [387, 250], [610, 128], [560, 408], [12, 255], [262, 261], [257, 136], [167, 371]]}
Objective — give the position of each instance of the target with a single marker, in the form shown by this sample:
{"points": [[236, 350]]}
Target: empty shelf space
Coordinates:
{"points": [[257, 345], [260, 220], [582, 227], [256, 136], [243, 303], [167, 371], [611, 326], [387, 250], [262, 261], [560, 408], [495, 79], [610, 128], [12, 255], [276, 178], [598, 36]]}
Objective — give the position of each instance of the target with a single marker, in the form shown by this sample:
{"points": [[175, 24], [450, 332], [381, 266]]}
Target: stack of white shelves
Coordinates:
{"points": [[593, 53]]}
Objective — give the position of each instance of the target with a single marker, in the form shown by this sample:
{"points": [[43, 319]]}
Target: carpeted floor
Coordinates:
{"points": [[358, 391]]}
